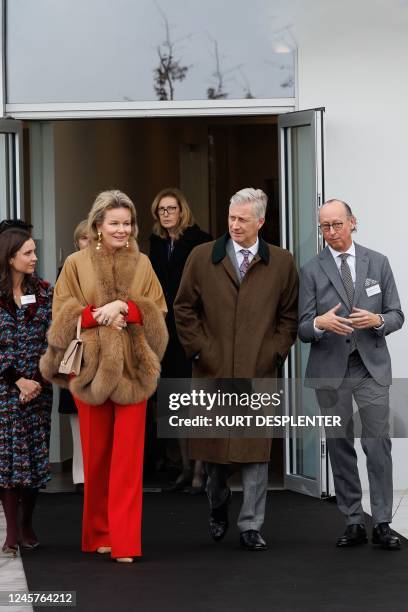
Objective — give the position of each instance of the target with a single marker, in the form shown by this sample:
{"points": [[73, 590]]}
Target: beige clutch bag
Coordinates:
{"points": [[71, 362]]}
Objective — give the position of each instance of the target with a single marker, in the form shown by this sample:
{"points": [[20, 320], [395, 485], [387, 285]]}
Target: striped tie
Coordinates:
{"points": [[347, 278], [349, 287], [245, 263]]}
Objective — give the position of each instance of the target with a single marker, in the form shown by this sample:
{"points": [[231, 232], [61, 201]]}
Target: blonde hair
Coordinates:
{"points": [[107, 200], [186, 218], [80, 231]]}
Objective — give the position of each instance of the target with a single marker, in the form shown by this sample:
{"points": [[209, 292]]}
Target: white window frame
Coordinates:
{"points": [[190, 108]]}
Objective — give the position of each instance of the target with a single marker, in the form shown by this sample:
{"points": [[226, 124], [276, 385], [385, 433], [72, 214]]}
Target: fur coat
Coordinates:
{"points": [[123, 366]]}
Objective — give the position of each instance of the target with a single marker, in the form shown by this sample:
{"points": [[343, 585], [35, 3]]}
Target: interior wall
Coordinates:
{"points": [[244, 156], [142, 156]]}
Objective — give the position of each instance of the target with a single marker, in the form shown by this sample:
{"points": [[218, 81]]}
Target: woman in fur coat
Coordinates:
{"points": [[113, 288]]}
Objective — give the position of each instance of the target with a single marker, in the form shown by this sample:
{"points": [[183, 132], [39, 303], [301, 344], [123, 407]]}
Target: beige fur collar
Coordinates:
{"points": [[114, 272]]}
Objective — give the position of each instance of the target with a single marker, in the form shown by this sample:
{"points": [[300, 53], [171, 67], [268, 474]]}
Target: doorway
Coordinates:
{"points": [[208, 158]]}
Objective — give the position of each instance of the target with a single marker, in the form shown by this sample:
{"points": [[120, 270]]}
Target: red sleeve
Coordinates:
{"points": [[134, 315], [87, 318]]}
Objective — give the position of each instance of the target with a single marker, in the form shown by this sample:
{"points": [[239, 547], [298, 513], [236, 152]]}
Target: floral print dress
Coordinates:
{"points": [[24, 428]]}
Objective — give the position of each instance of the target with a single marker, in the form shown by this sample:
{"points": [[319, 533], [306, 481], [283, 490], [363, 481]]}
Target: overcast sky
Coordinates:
{"points": [[107, 50]]}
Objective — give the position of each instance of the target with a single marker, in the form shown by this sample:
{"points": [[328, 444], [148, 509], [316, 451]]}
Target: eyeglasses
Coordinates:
{"points": [[170, 210], [325, 227]]}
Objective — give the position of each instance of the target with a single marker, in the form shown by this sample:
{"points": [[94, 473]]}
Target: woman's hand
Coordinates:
{"points": [[29, 389], [105, 315], [119, 323]]}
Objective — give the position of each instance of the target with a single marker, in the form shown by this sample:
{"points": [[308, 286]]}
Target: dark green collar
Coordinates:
{"points": [[220, 249]]}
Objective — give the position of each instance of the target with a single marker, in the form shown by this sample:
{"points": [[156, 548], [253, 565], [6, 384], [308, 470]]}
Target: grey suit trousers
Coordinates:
{"points": [[372, 401], [254, 488]]}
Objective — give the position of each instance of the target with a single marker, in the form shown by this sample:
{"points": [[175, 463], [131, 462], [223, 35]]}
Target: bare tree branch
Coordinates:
{"points": [[169, 69]]}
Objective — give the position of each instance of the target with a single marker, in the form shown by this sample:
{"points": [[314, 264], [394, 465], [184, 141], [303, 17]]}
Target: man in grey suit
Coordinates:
{"points": [[348, 303]]}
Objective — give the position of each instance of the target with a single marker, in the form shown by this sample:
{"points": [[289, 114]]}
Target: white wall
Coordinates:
{"points": [[353, 61]]}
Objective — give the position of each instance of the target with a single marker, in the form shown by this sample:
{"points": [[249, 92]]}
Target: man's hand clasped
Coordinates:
{"points": [[358, 319], [112, 314]]}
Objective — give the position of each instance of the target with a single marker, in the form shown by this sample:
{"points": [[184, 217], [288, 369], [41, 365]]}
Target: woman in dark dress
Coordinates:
{"points": [[174, 237], [25, 398]]}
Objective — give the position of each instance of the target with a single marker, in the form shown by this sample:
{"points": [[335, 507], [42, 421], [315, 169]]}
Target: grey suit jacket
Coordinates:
{"points": [[321, 288]]}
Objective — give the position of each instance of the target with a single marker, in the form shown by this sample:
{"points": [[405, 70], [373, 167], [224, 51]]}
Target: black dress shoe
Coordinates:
{"points": [[383, 537], [353, 536], [252, 540], [218, 521]]}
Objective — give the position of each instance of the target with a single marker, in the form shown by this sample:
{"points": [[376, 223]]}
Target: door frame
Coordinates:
{"points": [[13, 172], [320, 485]]}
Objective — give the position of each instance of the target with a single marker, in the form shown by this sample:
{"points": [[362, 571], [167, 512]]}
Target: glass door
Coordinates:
{"points": [[301, 194], [11, 170]]}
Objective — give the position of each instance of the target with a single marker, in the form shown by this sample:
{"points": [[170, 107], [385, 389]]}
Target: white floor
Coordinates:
{"points": [[12, 577]]}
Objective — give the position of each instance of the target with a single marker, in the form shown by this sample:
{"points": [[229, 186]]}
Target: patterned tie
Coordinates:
{"points": [[243, 268], [349, 287], [347, 278]]}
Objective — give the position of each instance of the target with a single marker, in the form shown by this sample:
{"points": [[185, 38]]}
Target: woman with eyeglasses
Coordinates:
{"points": [[175, 234], [25, 398]]}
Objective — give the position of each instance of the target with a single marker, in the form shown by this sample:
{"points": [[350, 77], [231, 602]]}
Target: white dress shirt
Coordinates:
{"points": [[351, 260], [252, 251]]}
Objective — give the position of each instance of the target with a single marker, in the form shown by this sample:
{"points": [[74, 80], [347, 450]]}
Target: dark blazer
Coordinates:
{"points": [[169, 270]]}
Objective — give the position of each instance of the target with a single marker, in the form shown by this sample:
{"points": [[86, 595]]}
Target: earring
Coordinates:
{"points": [[127, 243], [99, 245]]}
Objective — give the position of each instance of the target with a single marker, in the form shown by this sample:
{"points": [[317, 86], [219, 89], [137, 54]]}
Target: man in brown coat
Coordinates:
{"points": [[236, 316]]}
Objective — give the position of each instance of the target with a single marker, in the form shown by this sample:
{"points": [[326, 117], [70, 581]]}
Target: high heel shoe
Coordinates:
{"points": [[10, 549], [29, 545], [102, 550], [124, 559], [27, 539], [201, 488], [182, 482]]}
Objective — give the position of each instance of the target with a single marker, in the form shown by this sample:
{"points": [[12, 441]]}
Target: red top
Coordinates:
{"points": [[133, 316]]}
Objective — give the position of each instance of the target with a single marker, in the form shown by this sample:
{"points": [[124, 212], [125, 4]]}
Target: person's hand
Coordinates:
{"points": [[332, 322], [29, 389], [364, 319], [105, 315], [119, 323]]}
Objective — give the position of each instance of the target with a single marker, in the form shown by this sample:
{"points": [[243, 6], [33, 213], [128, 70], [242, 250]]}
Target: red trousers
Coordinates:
{"points": [[112, 438]]}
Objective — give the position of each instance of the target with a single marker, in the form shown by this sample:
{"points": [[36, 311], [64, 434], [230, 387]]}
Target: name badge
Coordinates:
{"points": [[373, 290], [28, 299]]}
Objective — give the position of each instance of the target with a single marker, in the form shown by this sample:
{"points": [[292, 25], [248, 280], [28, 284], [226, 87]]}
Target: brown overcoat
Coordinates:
{"points": [[239, 330], [121, 365]]}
